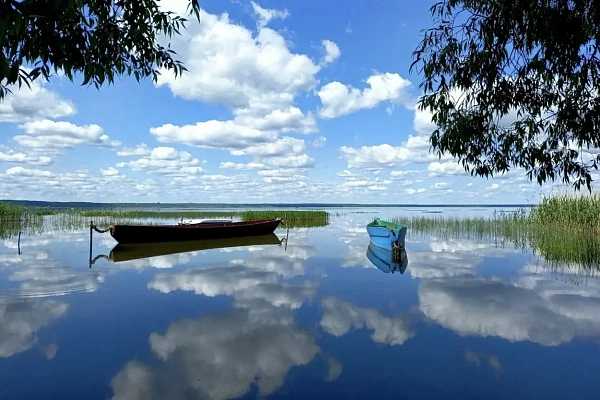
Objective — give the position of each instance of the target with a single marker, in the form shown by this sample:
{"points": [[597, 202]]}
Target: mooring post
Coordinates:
{"points": [[91, 233]]}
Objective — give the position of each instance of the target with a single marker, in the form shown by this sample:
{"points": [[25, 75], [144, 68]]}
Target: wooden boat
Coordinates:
{"points": [[200, 231], [387, 260], [204, 221], [134, 251], [387, 235]]}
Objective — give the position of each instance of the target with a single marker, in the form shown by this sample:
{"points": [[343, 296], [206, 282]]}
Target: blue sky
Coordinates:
{"points": [[283, 102]]}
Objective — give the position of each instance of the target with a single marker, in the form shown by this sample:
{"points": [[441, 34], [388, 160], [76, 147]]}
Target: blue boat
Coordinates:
{"points": [[386, 260], [387, 235]]}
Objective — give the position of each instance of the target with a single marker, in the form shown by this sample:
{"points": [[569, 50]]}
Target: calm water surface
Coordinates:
{"points": [[310, 318]]}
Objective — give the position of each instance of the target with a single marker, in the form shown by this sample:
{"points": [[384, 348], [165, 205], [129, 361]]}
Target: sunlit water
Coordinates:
{"points": [[310, 318]]}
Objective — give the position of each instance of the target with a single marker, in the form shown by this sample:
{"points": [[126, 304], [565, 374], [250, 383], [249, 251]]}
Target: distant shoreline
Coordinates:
{"points": [[85, 204]]}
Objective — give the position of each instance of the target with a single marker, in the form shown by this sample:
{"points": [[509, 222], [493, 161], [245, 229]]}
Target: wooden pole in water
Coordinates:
{"points": [[91, 230]]}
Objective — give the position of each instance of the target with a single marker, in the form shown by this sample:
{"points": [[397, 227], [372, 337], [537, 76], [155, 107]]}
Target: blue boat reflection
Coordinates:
{"points": [[387, 260]]}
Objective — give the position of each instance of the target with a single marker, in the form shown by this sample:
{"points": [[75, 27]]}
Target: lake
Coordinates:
{"points": [[307, 317]]}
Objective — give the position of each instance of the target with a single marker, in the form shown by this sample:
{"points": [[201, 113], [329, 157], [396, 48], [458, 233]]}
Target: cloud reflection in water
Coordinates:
{"points": [[222, 356], [515, 306]]}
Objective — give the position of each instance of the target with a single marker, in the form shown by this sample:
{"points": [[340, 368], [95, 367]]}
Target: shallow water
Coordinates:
{"points": [[310, 318]]}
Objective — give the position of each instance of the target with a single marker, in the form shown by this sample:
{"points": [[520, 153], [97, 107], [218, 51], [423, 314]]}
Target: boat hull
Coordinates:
{"points": [[202, 231], [385, 238]]}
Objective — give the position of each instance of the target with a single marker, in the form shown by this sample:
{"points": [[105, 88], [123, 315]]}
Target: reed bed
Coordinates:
{"points": [[11, 228], [15, 212], [563, 230], [569, 212], [15, 219], [162, 214], [498, 228], [9, 211], [288, 215], [574, 249]]}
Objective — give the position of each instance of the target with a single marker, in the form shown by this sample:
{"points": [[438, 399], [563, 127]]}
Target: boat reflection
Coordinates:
{"points": [[128, 252], [387, 260]]}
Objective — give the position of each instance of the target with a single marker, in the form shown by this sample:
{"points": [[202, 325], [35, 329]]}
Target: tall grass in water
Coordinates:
{"points": [[9, 211], [569, 212], [15, 218], [76, 219], [293, 215], [573, 250], [563, 230], [12, 212], [166, 214], [287, 215], [500, 227]]}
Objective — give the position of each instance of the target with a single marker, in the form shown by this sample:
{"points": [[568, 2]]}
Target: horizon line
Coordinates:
{"points": [[274, 204]]}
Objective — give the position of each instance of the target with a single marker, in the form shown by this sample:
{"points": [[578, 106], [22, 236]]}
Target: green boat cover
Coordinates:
{"points": [[386, 224]]}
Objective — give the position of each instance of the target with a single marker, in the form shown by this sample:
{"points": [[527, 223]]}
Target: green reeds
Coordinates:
{"points": [[563, 230], [162, 214], [13, 212], [15, 219], [569, 212], [9, 211], [11, 228], [290, 216], [499, 227]]}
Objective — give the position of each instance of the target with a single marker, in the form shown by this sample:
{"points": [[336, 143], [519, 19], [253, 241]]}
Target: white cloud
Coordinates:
{"points": [[256, 75], [290, 119], [339, 99], [47, 135], [319, 142], [213, 134], [12, 156], [440, 185], [415, 149], [25, 172], [166, 161], [141, 149], [24, 183], [445, 168], [284, 172], [332, 52], [398, 174], [110, 171], [347, 174], [285, 146], [241, 167], [228, 64], [266, 15], [37, 102], [302, 161], [414, 191], [422, 122]]}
